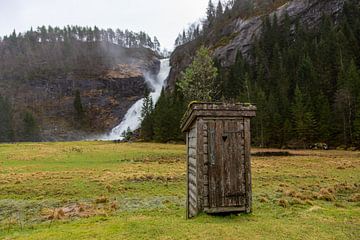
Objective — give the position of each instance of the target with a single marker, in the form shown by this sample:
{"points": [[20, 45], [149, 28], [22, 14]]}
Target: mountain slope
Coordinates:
{"points": [[40, 74], [300, 64], [240, 34]]}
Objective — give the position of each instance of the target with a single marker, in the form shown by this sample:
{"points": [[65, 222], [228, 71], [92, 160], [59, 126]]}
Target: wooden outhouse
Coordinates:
{"points": [[218, 157]]}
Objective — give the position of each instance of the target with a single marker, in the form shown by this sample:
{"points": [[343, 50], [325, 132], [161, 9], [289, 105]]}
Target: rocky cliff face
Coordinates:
{"points": [[240, 34], [106, 95]]}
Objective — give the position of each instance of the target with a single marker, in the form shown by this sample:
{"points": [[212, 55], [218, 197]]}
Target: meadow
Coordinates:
{"points": [[102, 190]]}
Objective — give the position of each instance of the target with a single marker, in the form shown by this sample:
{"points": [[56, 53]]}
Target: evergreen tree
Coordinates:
{"points": [[357, 124], [163, 123], [235, 83], [211, 14], [304, 121], [219, 10], [167, 117], [324, 116], [147, 129], [127, 135], [6, 131], [31, 131], [78, 106], [259, 122]]}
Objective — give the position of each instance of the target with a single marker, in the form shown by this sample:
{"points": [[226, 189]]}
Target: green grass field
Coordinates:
{"points": [[100, 190]]}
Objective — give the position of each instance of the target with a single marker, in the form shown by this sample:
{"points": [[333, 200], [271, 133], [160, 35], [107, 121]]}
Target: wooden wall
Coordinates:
{"points": [[192, 183]]}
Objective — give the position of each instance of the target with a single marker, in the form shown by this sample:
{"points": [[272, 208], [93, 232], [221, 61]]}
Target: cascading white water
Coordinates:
{"points": [[132, 117]]}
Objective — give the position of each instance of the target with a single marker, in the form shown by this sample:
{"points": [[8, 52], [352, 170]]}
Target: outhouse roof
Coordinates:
{"points": [[213, 109]]}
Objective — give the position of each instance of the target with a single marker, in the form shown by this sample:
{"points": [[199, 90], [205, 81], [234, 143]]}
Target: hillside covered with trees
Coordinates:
{"points": [[43, 71], [304, 80], [50, 51]]}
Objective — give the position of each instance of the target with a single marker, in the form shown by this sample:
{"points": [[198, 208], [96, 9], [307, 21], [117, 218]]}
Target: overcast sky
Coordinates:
{"points": [[163, 18]]}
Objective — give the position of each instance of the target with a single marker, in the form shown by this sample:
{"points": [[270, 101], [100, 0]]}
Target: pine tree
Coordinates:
{"points": [[260, 120], [323, 114], [357, 124], [127, 135], [147, 129], [167, 117], [304, 121], [235, 84], [162, 121], [219, 10], [78, 106], [31, 131], [211, 14], [6, 130]]}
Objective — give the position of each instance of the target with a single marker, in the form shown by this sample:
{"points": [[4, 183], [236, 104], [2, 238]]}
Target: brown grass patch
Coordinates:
{"points": [[326, 194], [79, 210], [102, 199], [297, 201], [355, 198], [283, 203]]}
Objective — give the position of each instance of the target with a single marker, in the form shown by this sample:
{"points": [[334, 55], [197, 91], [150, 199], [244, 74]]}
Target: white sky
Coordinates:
{"points": [[162, 18]]}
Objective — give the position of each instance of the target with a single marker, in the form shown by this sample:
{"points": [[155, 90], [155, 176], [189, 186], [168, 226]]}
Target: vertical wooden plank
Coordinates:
{"points": [[235, 159], [226, 152], [248, 186], [211, 164], [200, 164], [206, 166], [219, 164], [187, 176], [192, 173], [235, 156], [240, 163]]}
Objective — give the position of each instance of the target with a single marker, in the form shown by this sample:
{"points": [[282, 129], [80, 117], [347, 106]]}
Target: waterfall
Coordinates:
{"points": [[132, 117]]}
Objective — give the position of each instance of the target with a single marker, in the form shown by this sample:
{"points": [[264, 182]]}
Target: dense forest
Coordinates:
{"points": [[305, 82]]}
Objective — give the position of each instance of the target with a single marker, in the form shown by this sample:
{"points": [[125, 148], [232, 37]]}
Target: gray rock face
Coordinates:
{"points": [[308, 12], [243, 33]]}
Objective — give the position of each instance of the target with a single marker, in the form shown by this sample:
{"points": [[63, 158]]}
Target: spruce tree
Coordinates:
{"points": [[211, 14], [219, 10], [147, 130], [162, 121], [78, 106], [31, 131], [127, 135], [304, 122], [324, 116], [357, 124], [6, 130]]}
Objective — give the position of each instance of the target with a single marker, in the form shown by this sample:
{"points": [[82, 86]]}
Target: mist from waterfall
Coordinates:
{"points": [[132, 117]]}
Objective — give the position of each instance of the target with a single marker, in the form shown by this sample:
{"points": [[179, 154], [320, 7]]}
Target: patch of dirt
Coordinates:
{"points": [[150, 177], [310, 193], [81, 210], [273, 154]]}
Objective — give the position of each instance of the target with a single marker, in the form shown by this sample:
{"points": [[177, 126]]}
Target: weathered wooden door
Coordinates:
{"points": [[226, 164]]}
